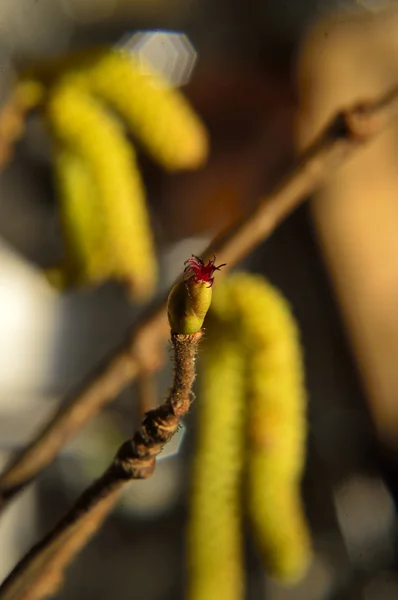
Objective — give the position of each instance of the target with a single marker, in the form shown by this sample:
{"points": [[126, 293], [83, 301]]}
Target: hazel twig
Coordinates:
{"points": [[13, 114], [40, 573], [343, 136]]}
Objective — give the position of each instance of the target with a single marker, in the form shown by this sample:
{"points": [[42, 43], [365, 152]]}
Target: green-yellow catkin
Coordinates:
{"points": [[157, 114], [276, 423], [215, 562], [187, 305], [86, 253], [119, 222]]}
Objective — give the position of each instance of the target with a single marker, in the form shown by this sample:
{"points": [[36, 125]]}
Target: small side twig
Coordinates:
{"points": [[40, 573], [13, 115], [348, 131]]}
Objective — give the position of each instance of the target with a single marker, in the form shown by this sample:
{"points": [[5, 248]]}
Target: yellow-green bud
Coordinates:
{"points": [[189, 300]]}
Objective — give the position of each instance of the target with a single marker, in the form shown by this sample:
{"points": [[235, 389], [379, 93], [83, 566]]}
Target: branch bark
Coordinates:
{"points": [[40, 572], [348, 131], [25, 97]]}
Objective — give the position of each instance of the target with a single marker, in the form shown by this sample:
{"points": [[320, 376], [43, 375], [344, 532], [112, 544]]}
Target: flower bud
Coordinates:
{"points": [[189, 300]]}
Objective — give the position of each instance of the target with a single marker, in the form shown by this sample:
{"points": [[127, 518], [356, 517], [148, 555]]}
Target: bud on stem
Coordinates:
{"points": [[189, 300]]}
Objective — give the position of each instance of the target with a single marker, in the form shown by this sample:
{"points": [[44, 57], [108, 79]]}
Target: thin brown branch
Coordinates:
{"points": [[348, 131], [40, 572], [13, 115]]}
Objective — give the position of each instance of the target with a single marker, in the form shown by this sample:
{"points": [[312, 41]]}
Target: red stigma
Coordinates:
{"points": [[197, 270]]}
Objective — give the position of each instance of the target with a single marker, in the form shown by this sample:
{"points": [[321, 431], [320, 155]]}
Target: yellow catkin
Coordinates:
{"points": [[86, 257], [276, 423], [158, 115], [83, 126], [215, 529]]}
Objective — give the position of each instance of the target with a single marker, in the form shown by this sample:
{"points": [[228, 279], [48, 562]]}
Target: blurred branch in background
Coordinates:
{"points": [[25, 97], [342, 136]]}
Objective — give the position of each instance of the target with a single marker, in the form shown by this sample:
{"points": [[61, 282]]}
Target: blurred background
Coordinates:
{"points": [[264, 77]]}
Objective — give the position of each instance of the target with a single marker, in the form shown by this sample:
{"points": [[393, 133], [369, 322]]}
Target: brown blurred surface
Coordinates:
{"points": [[345, 60], [249, 112]]}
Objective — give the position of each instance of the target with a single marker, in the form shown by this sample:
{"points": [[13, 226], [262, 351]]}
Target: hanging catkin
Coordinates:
{"points": [[119, 222], [157, 114], [276, 424], [252, 417], [86, 253], [89, 98], [215, 568]]}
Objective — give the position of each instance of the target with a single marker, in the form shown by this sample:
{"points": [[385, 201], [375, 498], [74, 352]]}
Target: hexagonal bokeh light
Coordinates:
{"points": [[170, 53]]}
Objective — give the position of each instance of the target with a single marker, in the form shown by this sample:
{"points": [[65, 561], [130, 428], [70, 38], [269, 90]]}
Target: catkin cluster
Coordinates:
{"points": [[251, 441], [90, 105]]}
